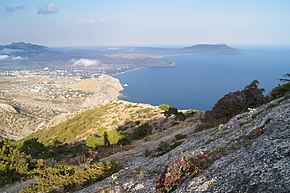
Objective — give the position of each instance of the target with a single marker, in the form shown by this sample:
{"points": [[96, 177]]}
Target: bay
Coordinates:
{"points": [[198, 81]]}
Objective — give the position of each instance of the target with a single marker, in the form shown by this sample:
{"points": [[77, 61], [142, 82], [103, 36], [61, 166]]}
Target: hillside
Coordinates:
{"points": [[25, 112], [249, 154], [111, 116]]}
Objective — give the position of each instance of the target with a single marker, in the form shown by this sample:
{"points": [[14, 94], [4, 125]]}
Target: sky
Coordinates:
{"points": [[144, 22]]}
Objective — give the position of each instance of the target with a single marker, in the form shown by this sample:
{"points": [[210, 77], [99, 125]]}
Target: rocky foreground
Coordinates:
{"points": [[253, 156]]}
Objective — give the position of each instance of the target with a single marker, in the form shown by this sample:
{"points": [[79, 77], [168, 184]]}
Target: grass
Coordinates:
{"points": [[68, 131]]}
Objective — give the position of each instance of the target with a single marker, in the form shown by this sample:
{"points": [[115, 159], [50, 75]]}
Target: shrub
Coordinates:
{"points": [[280, 90], [64, 178], [125, 140], [33, 147], [93, 141], [180, 136], [102, 137], [186, 166], [14, 164], [173, 111], [164, 107], [232, 104], [142, 131]]}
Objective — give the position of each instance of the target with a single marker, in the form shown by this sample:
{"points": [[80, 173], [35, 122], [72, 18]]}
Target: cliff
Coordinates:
{"points": [[107, 88]]}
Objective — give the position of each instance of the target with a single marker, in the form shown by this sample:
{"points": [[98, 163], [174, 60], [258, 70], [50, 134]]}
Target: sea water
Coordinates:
{"points": [[198, 81]]}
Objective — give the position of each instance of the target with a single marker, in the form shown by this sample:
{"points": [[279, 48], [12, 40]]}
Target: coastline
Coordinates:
{"points": [[137, 68]]}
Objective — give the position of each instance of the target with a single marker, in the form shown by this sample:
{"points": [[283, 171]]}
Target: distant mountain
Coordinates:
{"points": [[24, 46], [211, 49]]}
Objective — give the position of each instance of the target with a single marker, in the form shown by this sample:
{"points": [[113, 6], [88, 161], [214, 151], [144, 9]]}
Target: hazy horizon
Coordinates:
{"points": [[145, 22]]}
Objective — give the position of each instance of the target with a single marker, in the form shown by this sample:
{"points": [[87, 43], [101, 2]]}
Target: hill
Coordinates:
{"points": [[211, 49], [248, 154], [157, 153], [24, 46]]}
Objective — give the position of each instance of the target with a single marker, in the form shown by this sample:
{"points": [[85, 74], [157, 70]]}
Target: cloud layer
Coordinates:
{"points": [[15, 8], [84, 62], [48, 9]]}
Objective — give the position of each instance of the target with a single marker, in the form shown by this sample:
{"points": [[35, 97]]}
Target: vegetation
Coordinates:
{"points": [[286, 78], [16, 165], [64, 178], [281, 90], [34, 148], [173, 111], [125, 140], [104, 137], [68, 131], [114, 116], [180, 136], [164, 107], [142, 131], [234, 103], [186, 166]]}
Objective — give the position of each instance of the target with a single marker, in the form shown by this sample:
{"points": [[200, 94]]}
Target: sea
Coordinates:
{"points": [[199, 81]]}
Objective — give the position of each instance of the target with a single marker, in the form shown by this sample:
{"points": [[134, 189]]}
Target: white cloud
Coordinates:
{"points": [[48, 9], [4, 57], [84, 62], [15, 8], [92, 21], [18, 58]]}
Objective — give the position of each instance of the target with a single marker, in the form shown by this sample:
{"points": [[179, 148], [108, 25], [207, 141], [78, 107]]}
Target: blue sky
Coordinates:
{"points": [[144, 22]]}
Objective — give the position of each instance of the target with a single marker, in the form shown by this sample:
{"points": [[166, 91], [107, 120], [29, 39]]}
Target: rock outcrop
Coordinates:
{"points": [[254, 157], [107, 88]]}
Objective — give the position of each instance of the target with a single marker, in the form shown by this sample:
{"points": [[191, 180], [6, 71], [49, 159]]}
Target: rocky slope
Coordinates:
{"points": [[253, 155]]}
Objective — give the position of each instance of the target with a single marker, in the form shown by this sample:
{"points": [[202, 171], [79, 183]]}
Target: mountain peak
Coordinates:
{"points": [[24, 46]]}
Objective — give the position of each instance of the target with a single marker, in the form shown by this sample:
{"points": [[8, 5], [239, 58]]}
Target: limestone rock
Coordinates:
{"points": [[107, 88], [252, 162]]}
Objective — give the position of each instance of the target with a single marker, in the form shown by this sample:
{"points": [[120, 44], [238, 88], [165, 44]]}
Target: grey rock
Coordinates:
{"points": [[252, 163]]}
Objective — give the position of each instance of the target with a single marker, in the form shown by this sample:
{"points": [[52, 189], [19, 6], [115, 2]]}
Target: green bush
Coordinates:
{"points": [[94, 142], [64, 178], [142, 131], [33, 147], [125, 140], [164, 107], [280, 90], [180, 136], [173, 111], [102, 137], [14, 164]]}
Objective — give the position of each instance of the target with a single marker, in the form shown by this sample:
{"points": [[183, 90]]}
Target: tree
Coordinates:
{"points": [[281, 90], [234, 103], [286, 79], [253, 95], [106, 139]]}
